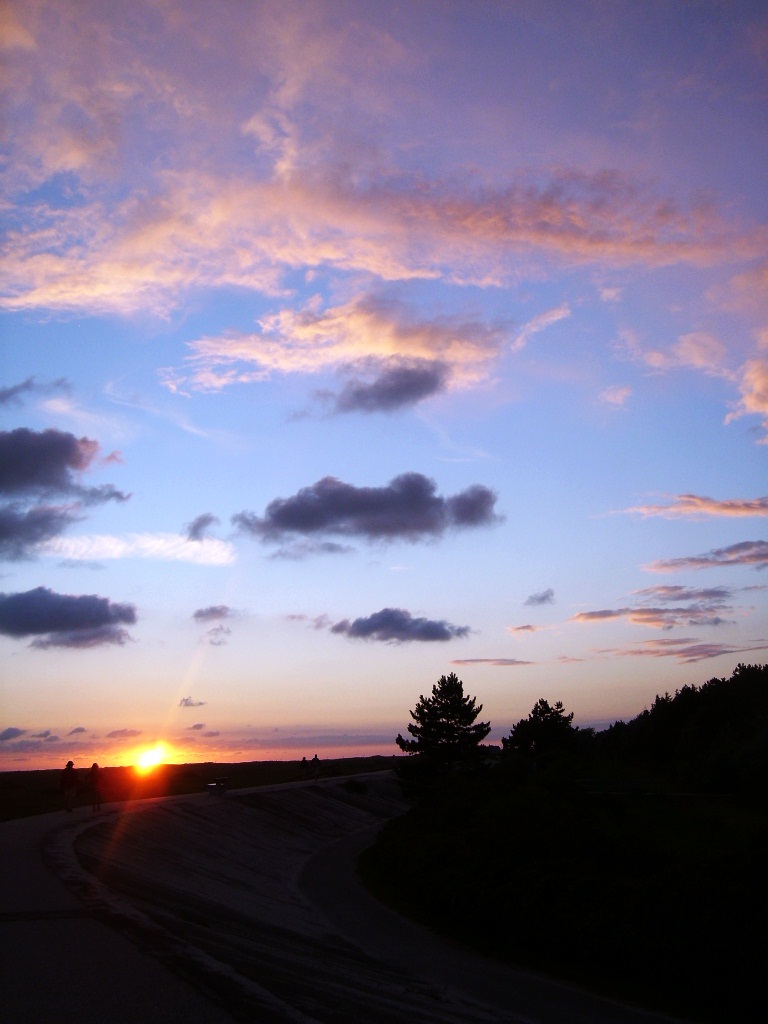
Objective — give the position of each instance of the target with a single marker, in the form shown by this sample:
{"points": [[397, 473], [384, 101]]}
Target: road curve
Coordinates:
{"points": [[253, 900]]}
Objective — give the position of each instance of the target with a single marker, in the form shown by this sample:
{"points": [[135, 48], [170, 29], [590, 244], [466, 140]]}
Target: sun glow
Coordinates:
{"points": [[151, 758]]}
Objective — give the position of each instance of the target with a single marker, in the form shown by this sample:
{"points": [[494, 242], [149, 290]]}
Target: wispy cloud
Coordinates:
{"points": [[544, 597], [748, 552], [690, 505], [496, 662], [391, 355], [688, 651], [168, 547], [754, 393], [540, 323]]}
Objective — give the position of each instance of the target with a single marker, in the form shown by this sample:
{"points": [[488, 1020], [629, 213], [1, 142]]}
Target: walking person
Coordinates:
{"points": [[69, 785], [95, 784]]}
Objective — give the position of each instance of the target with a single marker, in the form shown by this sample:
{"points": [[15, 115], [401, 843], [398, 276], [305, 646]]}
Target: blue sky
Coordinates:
{"points": [[345, 345]]}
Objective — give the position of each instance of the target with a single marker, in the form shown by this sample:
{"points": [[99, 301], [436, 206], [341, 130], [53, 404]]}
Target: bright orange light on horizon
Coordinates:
{"points": [[151, 758]]}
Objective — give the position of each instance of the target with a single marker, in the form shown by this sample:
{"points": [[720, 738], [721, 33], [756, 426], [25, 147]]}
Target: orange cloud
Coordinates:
{"points": [[313, 340], [685, 505], [754, 393]]}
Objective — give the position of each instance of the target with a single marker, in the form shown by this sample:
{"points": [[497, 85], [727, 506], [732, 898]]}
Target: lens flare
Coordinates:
{"points": [[151, 758]]}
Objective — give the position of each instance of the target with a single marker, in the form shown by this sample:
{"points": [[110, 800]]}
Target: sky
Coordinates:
{"points": [[346, 345]]}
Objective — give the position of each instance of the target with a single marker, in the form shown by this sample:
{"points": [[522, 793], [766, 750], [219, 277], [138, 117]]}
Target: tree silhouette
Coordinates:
{"points": [[444, 729], [547, 728]]}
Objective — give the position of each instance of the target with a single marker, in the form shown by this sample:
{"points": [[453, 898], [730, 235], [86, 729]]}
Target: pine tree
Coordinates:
{"points": [[444, 729]]}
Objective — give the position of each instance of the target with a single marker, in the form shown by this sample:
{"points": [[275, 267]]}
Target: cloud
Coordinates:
{"points": [[83, 639], [123, 734], [212, 613], [616, 396], [678, 593], [545, 597], [688, 651], [392, 356], [396, 386], [11, 733], [200, 525], [34, 467], [695, 351], [754, 393], [64, 620], [211, 735], [527, 628], [496, 662], [197, 726], [748, 552], [407, 508], [217, 636], [660, 617], [187, 702], [76, 730], [685, 505], [399, 626], [178, 230], [13, 395], [22, 529], [540, 323], [44, 462], [166, 547]]}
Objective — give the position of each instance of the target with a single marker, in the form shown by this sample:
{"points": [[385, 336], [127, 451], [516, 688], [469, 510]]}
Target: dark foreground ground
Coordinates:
{"points": [[252, 901]]}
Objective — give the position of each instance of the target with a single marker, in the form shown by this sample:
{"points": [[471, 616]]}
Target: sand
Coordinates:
{"points": [[253, 900]]}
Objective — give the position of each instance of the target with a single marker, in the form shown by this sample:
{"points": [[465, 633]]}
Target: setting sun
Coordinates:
{"points": [[151, 758]]}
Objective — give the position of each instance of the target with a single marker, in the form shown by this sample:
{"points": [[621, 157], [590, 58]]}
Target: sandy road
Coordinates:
{"points": [[253, 899]]}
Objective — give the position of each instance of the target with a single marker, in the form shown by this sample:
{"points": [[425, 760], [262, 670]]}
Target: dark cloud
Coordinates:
{"points": [[197, 726], [406, 508], [44, 462], [64, 620], [210, 735], [545, 597], [496, 662], [14, 394], [303, 549], [748, 552], [400, 383], [11, 733], [199, 527], [398, 625], [677, 593], [34, 467], [123, 734], [41, 735], [23, 528], [217, 636], [212, 613], [187, 702], [82, 639], [76, 730]]}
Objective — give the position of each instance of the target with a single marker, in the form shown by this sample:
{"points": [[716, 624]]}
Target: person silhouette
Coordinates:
{"points": [[315, 767], [95, 786], [69, 785]]}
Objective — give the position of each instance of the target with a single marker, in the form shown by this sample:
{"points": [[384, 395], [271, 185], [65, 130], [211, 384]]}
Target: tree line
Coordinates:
{"points": [[629, 860]]}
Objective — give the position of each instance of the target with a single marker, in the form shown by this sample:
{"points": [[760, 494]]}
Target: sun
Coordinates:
{"points": [[151, 758]]}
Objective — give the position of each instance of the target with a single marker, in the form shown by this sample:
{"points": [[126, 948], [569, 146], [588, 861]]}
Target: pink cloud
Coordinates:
{"points": [[685, 505]]}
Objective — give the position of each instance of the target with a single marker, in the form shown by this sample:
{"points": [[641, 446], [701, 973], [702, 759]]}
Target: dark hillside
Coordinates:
{"points": [[631, 861]]}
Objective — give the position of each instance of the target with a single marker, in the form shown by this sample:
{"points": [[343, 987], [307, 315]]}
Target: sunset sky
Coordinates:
{"points": [[349, 344]]}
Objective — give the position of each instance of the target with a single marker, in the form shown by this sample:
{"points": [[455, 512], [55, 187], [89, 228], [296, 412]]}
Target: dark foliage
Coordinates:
{"points": [[630, 861], [444, 728]]}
